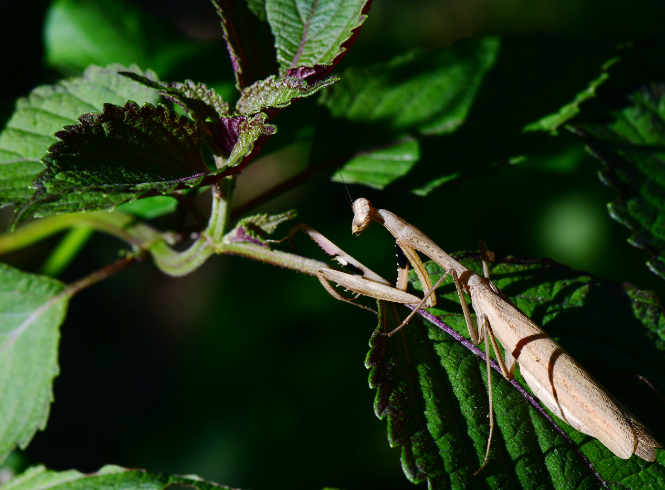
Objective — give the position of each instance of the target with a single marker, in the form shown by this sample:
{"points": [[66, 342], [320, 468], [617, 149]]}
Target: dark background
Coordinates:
{"points": [[253, 376]]}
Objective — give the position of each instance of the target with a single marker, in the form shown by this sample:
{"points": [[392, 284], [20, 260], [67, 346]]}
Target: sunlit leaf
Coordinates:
{"points": [[273, 94], [107, 478], [31, 311], [311, 36]]}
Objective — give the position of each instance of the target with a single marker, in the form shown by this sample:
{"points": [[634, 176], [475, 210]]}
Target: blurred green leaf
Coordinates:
{"points": [[30, 131], [452, 113], [150, 207], [31, 311], [552, 122], [383, 106], [78, 33], [107, 478], [248, 39], [68, 248], [313, 34], [628, 136], [432, 388]]}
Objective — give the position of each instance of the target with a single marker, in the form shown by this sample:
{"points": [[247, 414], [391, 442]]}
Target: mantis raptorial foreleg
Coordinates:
{"points": [[364, 281]]}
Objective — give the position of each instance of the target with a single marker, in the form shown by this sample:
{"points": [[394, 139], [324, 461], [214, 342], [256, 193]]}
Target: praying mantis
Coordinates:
{"points": [[560, 383]]}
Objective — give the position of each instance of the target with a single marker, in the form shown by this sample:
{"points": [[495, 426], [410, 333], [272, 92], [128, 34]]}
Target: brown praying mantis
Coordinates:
{"points": [[560, 383]]}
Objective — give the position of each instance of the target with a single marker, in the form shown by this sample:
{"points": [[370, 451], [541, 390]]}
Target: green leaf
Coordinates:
{"points": [[628, 137], [255, 229], [552, 122], [31, 311], [273, 94], [432, 386], [248, 39], [116, 156], [78, 33], [313, 35], [107, 478], [451, 114], [30, 131]]}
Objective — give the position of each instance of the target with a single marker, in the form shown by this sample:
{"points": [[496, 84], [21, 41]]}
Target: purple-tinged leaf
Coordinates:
{"points": [[203, 104], [248, 39], [312, 36], [273, 94], [255, 229], [242, 137], [129, 152]]}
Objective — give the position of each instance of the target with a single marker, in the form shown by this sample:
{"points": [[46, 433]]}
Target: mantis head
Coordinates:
{"points": [[362, 215]]}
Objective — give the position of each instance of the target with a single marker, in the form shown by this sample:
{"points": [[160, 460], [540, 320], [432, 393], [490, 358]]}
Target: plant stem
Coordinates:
{"points": [[101, 274]]}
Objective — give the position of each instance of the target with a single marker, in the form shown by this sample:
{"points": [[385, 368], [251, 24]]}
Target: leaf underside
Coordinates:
{"points": [[107, 478], [630, 142], [31, 311], [249, 41], [432, 390]]}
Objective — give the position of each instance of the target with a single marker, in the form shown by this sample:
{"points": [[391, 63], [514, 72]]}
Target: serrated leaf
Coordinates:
{"points": [[31, 311], [311, 36], [30, 131], [464, 108], [628, 137], [432, 386], [248, 39], [255, 229], [552, 122], [78, 33], [273, 94], [242, 137], [107, 478], [116, 156], [201, 103], [128, 152]]}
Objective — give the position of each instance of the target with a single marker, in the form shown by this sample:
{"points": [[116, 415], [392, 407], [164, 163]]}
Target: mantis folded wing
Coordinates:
{"points": [[551, 373]]}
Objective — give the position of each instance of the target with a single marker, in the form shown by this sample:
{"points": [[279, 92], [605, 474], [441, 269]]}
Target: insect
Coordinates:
{"points": [[553, 375]]}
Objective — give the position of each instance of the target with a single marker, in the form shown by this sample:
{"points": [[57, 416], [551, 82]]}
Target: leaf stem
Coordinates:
{"points": [[283, 187], [101, 274]]}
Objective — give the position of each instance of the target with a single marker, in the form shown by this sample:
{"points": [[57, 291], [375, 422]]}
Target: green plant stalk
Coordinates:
{"points": [[68, 248], [143, 237], [121, 225]]}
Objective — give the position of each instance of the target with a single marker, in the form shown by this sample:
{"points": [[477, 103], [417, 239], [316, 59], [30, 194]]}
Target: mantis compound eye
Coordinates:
{"points": [[362, 215]]}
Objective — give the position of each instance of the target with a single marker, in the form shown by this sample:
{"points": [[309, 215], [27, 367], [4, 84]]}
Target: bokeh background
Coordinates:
{"points": [[253, 376]]}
